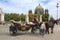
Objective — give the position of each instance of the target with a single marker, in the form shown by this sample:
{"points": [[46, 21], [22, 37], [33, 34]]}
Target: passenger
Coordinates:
{"points": [[42, 29], [35, 21]]}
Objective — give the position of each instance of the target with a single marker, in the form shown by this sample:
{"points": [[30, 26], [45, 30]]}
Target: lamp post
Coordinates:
{"points": [[27, 18], [57, 6], [40, 18]]}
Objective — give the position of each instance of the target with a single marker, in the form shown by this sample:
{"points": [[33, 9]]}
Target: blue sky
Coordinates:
{"points": [[22, 6]]}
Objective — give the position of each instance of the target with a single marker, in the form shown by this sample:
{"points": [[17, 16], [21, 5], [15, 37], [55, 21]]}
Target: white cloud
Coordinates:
{"points": [[7, 8], [52, 8], [22, 6]]}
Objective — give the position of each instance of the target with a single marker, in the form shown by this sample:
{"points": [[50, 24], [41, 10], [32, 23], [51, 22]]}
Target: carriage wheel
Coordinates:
{"points": [[32, 30], [13, 32]]}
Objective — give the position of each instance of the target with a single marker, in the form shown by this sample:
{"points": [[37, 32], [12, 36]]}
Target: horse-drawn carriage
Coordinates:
{"points": [[15, 26]]}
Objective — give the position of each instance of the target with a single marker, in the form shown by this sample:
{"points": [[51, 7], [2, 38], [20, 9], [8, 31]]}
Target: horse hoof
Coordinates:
{"points": [[48, 33], [52, 32]]}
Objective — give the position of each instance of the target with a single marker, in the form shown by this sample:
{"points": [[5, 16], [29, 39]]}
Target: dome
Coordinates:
{"points": [[39, 9], [46, 9], [30, 11]]}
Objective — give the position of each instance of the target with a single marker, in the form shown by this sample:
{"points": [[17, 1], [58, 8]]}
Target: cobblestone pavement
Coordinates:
{"points": [[4, 34]]}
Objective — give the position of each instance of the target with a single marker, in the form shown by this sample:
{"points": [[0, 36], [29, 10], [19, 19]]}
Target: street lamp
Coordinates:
{"points": [[57, 6], [27, 18], [40, 18]]}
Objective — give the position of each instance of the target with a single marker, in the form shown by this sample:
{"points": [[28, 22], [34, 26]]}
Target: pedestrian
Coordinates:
{"points": [[47, 27], [42, 29]]}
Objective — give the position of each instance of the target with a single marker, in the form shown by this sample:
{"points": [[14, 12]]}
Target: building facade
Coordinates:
{"points": [[40, 10], [1, 16]]}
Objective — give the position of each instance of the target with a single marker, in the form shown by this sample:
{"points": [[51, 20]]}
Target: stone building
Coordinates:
{"points": [[46, 11], [39, 9], [1, 16]]}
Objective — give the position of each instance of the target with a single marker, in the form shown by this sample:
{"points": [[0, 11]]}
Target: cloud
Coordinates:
{"points": [[52, 8], [7, 8], [16, 5], [22, 6]]}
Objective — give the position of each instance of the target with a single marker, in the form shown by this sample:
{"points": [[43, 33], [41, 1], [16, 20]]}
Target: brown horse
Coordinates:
{"points": [[49, 24]]}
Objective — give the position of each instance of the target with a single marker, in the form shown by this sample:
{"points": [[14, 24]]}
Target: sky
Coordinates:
{"points": [[23, 6]]}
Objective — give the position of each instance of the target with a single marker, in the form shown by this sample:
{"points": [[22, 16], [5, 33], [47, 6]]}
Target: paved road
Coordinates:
{"points": [[4, 34]]}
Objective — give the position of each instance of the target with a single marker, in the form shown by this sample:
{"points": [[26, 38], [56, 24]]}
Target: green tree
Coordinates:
{"points": [[30, 16], [7, 17], [45, 17], [22, 17], [12, 16]]}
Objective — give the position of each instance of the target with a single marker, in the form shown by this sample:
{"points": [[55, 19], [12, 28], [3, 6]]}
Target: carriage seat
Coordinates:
{"points": [[30, 23]]}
